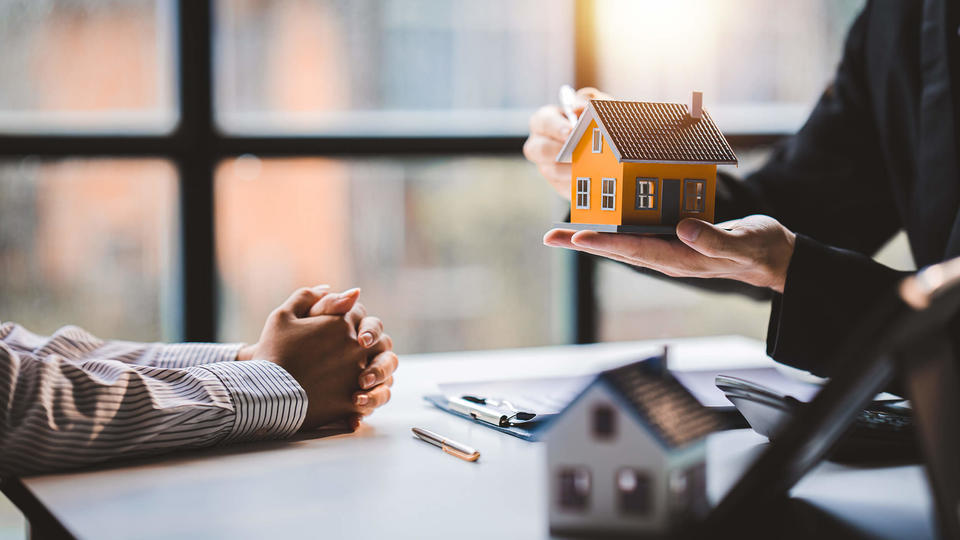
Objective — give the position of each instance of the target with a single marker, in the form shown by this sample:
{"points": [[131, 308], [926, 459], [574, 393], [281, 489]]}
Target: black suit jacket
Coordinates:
{"points": [[878, 154]]}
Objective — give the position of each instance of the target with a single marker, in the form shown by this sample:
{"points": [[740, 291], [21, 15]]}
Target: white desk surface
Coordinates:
{"points": [[381, 482]]}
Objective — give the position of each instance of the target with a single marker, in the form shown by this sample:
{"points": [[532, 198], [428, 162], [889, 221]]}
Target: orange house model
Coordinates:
{"points": [[641, 167]]}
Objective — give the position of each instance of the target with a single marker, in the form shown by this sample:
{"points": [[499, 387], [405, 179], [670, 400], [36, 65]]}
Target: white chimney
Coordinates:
{"points": [[696, 105]]}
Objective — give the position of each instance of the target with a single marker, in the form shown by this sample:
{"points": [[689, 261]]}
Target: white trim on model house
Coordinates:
{"points": [[608, 194], [583, 193]]}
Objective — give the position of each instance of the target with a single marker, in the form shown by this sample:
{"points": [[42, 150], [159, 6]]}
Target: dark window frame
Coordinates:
{"points": [[196, 146], [603, 422], [639, 501], [566, 480], [654, 192], [701, 200]]}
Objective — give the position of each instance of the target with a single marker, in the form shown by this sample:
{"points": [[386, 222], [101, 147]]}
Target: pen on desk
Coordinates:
{"points": [[568, 96], [449, 446]]}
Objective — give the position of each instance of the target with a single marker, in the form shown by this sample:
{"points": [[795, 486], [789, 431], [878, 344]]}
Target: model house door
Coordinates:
{"points": [[670, 202]]}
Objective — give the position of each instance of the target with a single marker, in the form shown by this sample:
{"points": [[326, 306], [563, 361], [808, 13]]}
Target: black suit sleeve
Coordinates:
{"points": [[828, 182], [828, 290]]}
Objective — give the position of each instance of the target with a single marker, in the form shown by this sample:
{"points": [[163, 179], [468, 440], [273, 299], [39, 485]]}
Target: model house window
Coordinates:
{"points": [[608, 194], [688, 491], [604, 422], [574, 483], [597, 141], [583, 193], [693, 193], [646, 193], [633, 492]]}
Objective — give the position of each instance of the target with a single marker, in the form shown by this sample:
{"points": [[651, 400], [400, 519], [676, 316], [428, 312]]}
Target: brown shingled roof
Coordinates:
{"points": [[643, 131], [676, 417]]}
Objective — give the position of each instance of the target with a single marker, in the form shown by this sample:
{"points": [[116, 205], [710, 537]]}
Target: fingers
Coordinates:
{"points": [[711, 240], [369, 331], [384, 344], [335, 304], [672, 258], [540, 149], [366, 402], [550, 122], [355, 315], [298, 304], [380, 369]]}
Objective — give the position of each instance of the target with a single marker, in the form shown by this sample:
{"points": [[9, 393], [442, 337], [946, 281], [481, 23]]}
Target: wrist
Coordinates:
{"points": [[782, 261], [247, 352]]}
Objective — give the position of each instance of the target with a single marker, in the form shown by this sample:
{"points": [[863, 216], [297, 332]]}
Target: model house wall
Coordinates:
{"points": [[572, 445], [595, 166], [685, 174]]}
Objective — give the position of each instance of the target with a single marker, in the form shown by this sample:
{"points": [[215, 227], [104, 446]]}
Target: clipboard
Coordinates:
{"points": [[528, 432]]}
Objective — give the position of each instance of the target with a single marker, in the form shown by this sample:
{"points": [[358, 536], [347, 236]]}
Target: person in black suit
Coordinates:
{"points": [[877, 154]]}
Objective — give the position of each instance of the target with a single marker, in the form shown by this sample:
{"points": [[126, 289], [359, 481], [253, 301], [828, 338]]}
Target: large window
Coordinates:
{"points": [[271, 145], [92, 66], [90, 241], [389, 67], [760, 65]]}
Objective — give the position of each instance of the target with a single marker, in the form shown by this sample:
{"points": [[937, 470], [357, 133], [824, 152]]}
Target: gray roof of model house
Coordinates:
{"points": [[659, 402]]}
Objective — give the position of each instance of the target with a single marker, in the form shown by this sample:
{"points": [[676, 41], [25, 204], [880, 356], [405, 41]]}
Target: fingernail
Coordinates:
{"points": [[368, 380], [321, 288], [366, 339], [362, 399], [580, 239], [351, 292], [688, 230]]}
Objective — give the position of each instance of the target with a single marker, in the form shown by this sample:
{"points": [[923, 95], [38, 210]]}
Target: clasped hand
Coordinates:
{"points": [[339, 355]]}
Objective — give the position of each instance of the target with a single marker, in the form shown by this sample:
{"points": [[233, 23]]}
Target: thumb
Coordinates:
{"points": [[335, 304], [298, 304], [708, 239]]}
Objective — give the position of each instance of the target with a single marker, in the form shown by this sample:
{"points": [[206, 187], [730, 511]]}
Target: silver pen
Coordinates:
{"points": [[449, 446], [568, 96]]}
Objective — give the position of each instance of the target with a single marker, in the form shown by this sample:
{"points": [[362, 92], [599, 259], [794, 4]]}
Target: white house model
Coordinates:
{"points": [[628, 455]]}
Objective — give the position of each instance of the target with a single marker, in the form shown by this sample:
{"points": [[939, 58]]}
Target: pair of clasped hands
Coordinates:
{"points": [[755, 250], [338, 354]]}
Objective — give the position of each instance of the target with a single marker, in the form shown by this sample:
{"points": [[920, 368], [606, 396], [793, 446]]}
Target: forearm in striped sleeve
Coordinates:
{"points": [[74, 343], [57, 413]]}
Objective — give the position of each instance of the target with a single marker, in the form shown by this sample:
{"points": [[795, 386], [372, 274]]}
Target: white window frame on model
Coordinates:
{"points": [[583, 193], [597, 141], [608, 198]]}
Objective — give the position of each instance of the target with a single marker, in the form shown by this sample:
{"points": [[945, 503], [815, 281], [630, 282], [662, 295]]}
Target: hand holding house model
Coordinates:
{"points": [[640, 167]]}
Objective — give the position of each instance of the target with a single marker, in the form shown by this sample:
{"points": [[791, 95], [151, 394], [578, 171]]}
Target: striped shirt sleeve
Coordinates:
{"points": [[66, 401]]}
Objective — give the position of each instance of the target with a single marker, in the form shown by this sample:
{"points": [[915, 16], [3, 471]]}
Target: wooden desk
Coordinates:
{"points": [[382, 483]]}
